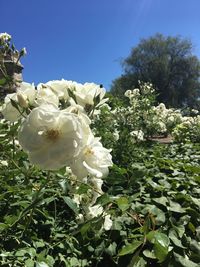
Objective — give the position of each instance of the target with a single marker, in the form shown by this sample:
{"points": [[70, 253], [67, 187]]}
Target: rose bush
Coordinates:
{"points": [[67, 199]]}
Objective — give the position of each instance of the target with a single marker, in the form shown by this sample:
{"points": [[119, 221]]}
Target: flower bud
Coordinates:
{"points": [[22, 100]]}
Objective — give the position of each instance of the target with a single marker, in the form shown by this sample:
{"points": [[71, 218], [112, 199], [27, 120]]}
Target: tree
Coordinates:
{"points": [[166, 62]]}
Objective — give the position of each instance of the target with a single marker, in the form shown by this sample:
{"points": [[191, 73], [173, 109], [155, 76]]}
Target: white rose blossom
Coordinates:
{"points": [[94, 211], [97, 210], [94, 159], [138, 135], [26, 94], [86, 93], [60, 87], [51, 137], [28, 91], [9, 112], [45, 95]]}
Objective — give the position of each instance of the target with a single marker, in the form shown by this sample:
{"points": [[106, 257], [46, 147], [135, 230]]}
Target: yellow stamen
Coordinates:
{"points": [[88, 152], [52, 134]]}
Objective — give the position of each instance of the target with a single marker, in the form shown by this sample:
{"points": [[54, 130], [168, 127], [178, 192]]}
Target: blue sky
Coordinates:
{"points": [[85, 40]]}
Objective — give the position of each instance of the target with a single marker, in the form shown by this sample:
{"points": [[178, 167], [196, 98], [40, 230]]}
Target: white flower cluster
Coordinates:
{"points": [[137, 136], [187, 130], [142, 115], [164, 119], [55, 126]]}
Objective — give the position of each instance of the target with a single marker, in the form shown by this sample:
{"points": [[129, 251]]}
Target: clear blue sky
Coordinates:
{"points": [[85, 40]]}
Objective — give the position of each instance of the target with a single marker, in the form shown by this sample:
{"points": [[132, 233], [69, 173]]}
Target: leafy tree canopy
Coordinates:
{"points": [[169, 64]]}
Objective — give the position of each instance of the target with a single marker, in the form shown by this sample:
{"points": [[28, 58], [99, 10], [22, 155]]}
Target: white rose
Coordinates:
{"points": [[162, 127], [4, 163], [94, 211], [85, 121], [9, 112], [161, 107], [28, 91], [93, 159], [51, 137], [85, 94], [171, 119], [75, 108], [136, 92], [128, 93], [60, 87], [45, 95], [138, 135]]}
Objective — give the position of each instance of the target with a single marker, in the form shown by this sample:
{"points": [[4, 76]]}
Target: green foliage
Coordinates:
{"points": [[166, 62], [152, 195]]}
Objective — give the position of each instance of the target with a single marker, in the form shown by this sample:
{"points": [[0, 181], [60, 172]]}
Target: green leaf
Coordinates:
{"points": [[71, 204], [123, 203], [160, 251], [191, 227], [155, 236], [184, 262], [140, 263], [176, 207], [29, 263], [130, 248], [149, 254], [174, 238], [161, 243], [50, 260], [3, 81], [3, 226], [196, 201], [103, 199], [83, 188], [15, 104], [85, 228], [111, 249], [161, 200]]}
